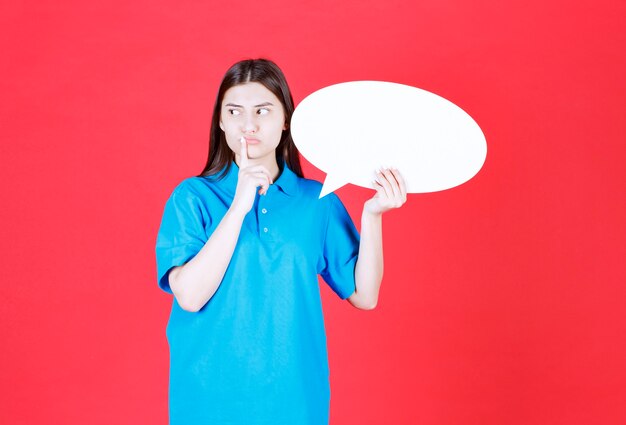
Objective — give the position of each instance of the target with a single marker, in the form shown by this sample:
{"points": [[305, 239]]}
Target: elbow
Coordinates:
{"points": [[363, 303], [184, 298], [369, 306], [188, 301], [187, 304]]}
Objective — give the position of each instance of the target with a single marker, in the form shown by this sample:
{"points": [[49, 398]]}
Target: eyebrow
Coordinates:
{"points": [[255, 106]]}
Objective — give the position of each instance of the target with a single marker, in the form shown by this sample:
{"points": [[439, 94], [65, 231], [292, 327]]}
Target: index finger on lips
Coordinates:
{"points": [[243, 153]]}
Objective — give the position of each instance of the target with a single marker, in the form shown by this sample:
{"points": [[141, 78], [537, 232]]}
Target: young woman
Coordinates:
{"points": [[240, 247]]}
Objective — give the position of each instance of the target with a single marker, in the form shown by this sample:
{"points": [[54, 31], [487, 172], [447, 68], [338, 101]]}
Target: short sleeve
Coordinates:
{"points": [[341, 249], [181, 234]]}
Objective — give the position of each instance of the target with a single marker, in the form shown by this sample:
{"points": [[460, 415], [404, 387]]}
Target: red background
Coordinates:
{"points": [[503, 299]]}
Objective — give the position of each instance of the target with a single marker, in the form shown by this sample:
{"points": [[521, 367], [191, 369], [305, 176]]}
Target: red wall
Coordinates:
{"points": [[503, 299]]}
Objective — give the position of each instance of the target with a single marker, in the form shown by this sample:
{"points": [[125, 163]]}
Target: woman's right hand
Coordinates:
{"points": [[249, 179]]}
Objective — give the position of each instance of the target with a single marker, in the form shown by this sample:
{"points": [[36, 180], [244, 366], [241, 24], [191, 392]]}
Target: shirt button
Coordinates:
{"points": [[264, 211], [265, 229]]}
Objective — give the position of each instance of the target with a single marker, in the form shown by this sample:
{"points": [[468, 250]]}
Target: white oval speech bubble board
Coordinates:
{"points": [[350, 129]]}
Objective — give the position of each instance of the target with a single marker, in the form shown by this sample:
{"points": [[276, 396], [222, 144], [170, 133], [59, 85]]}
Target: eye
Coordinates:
{"points": [[234, 112], [263, 111]]}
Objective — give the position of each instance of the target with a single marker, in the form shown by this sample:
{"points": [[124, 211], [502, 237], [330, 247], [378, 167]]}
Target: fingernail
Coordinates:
{"points": [[242, 140]]}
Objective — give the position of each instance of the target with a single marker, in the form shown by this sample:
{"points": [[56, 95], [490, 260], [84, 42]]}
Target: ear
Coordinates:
{"points": [[221, 124], [285, 127]]}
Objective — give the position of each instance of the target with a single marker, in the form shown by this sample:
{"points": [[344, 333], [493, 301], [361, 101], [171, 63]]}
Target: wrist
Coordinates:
{"points": [[372, 216], [235, 214]]}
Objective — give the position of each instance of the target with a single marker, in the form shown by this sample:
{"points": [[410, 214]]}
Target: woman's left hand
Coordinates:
{"points": [[390, 192]]}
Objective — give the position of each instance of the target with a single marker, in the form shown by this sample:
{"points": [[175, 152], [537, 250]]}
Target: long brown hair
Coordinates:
{"points": [[269, 74]]}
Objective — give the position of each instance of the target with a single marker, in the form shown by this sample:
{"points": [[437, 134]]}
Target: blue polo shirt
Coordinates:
{"points": [[256, 352]]}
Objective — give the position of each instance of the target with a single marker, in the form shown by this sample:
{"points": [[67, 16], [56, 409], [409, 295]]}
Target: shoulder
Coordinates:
{"points": [[192, 193], [196, 186], [185, 188], [191, 197]]}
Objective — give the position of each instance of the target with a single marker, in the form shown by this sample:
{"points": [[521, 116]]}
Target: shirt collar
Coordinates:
{"points": [[287, 181]]}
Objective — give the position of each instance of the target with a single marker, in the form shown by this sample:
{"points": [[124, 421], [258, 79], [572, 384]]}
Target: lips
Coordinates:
{"points": [[252, 141]]}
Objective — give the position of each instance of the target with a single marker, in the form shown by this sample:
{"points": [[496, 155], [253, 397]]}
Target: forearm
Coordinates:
{"points": [[194, 283], [368, 272]]}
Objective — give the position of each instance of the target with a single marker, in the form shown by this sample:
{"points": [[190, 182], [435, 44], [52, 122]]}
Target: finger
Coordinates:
{"points": [[260, 180], [393, 183], [382, 180], [380, 190], [243, 153], [261, 169], [401, 182], [265, 185]]}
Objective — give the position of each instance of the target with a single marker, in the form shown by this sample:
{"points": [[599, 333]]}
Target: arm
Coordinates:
{"points": [[194, 283], [368, 273]]}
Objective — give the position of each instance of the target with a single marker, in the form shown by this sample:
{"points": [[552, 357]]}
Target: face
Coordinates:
{"points": [[252, 111]]}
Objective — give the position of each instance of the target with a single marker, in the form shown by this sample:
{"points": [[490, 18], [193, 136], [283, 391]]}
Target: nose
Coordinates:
{"points": [[250, 125]]}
